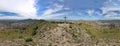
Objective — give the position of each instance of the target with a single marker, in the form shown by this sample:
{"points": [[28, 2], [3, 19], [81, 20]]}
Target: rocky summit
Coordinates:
{"points": [[52, 33]]}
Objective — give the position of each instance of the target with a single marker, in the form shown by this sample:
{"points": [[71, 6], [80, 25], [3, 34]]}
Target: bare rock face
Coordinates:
{"points": [[56, 37]]}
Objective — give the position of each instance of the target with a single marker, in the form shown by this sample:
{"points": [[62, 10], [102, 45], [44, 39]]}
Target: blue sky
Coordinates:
{"points": [[57, 9]]}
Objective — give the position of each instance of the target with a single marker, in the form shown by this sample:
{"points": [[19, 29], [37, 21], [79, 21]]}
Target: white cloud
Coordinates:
{"points": [[49, 12], [111, 14], [25, 8], [90, 12], [109, 7], [51, 16]]}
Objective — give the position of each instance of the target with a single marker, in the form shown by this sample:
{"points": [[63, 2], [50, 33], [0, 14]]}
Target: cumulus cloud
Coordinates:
{"points": [[25, 8]]}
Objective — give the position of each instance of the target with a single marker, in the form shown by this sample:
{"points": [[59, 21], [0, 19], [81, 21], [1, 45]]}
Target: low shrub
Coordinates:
{"points": [[29, 40]]}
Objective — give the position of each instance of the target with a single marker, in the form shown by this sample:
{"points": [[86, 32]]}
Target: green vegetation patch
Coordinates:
{"points": [[101, 33], [29, 40]]}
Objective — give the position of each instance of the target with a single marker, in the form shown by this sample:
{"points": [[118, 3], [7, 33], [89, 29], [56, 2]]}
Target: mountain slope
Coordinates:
{"points": [[48, 33]]}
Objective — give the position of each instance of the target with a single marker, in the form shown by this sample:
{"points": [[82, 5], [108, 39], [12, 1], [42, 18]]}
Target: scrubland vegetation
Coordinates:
{"points": [[52, 33]]}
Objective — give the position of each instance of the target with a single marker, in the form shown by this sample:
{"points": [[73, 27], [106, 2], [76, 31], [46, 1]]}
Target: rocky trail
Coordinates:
{"points": [[59, 36]]}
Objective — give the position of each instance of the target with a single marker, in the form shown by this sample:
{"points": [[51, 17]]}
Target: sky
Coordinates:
{"points": [[57, 9]]}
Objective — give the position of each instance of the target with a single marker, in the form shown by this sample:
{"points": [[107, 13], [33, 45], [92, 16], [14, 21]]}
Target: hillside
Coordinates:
{"points": [[52, 33]]}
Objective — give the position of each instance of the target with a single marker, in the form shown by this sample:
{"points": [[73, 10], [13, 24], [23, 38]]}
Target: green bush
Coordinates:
{"points": [[34, 33], [29, 40]]}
